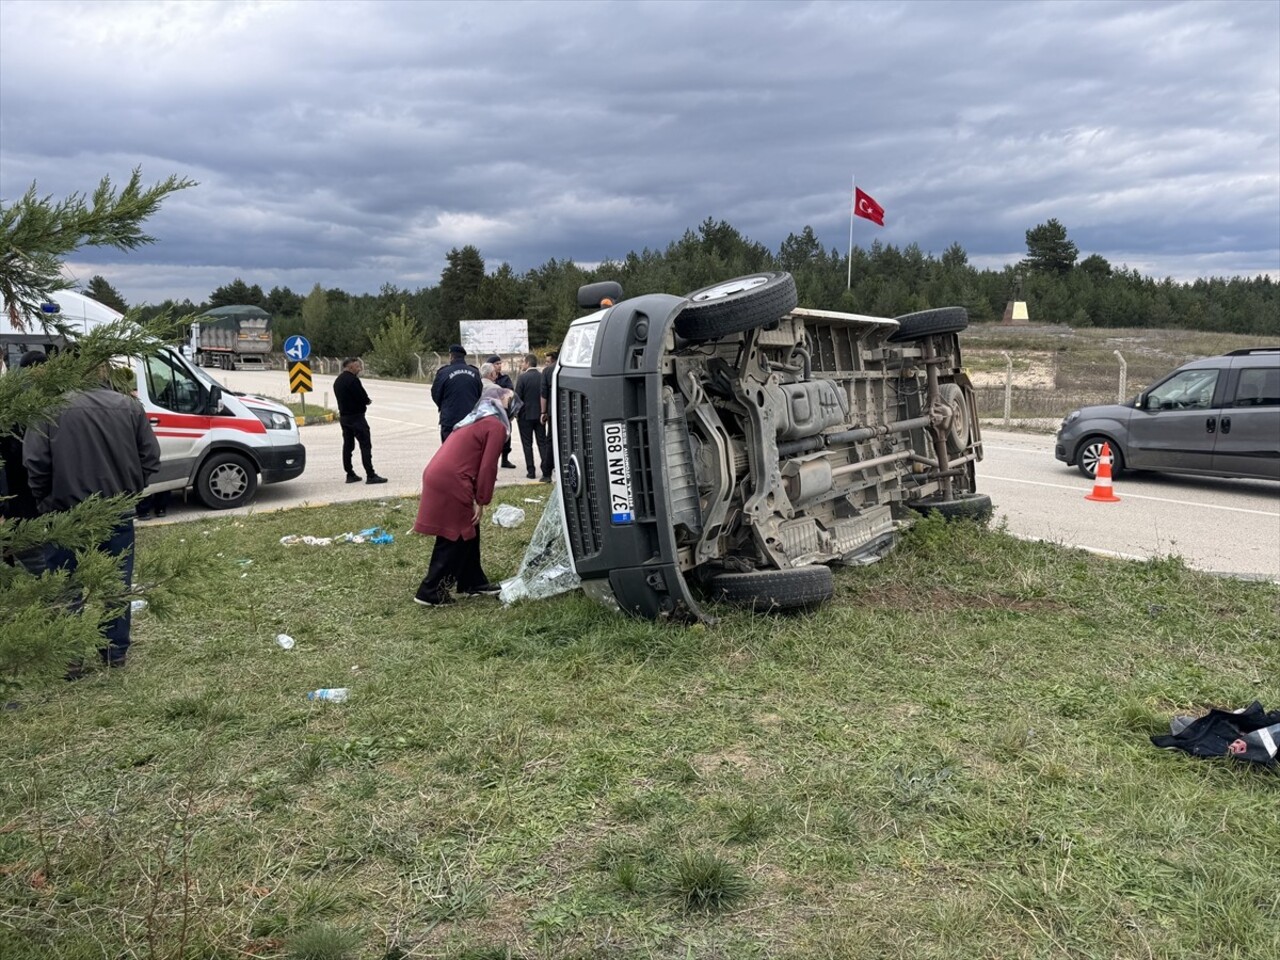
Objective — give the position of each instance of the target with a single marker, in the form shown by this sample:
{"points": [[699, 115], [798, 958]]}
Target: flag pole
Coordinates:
{"points": [[852, 187]]}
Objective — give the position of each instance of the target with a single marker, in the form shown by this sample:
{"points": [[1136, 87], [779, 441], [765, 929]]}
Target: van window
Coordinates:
{"points": [[172, 387], [1258, 387], [1188, 390]]}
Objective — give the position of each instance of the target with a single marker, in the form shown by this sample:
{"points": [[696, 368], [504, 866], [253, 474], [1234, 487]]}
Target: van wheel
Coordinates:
{"points": [[1090, 452], [742, 303], [764, 590], [226, 480], [926, 323]]}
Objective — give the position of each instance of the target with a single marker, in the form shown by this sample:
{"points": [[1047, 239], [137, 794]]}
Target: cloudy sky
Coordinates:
{"points": [[353, 144]]}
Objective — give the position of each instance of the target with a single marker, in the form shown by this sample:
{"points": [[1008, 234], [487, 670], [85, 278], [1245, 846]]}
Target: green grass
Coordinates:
{"points": [[950, 760]]}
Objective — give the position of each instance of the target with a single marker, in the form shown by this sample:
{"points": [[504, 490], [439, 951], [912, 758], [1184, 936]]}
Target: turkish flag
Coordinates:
{"points": [[867, 208]]}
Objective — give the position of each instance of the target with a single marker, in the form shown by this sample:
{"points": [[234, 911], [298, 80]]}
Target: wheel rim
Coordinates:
{"points": [[1091, 456], [729, 288], [228, 481]]}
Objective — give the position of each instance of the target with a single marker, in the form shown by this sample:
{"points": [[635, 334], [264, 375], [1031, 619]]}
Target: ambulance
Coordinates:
{"points": [[215, 441]]}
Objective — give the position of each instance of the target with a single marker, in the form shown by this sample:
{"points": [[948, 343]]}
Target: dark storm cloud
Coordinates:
{"points": [[355, 144]]}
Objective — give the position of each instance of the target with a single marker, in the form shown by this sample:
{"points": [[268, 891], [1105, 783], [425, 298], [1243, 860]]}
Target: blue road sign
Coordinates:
{"points": [[297, 347]]}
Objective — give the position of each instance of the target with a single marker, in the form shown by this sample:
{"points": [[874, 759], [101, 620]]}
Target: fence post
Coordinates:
{"points": [[1008, 386], [418, 357], [1124, 377]]}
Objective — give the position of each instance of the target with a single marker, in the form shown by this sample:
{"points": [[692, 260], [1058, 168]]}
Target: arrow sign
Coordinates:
{"points": [[297, 347], [300, 377]]}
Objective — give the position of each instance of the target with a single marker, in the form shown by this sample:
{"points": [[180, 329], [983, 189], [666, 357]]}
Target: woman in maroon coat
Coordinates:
{"points": [[456, 486]]}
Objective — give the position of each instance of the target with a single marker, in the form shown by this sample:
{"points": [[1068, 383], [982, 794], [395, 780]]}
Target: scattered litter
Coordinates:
{"points": [[1246, 734], [545, 570], [370, 535], [336, 694], [137, 606], [243, 563], [508, 516], [532, 499], [284, 641], [292, 540]]}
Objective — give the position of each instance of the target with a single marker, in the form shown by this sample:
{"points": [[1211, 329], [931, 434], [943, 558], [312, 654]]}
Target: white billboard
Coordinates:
{"points": [[503, 337]]}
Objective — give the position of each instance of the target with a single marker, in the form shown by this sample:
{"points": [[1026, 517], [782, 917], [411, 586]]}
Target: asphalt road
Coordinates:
{"points": [[1222, 526]]}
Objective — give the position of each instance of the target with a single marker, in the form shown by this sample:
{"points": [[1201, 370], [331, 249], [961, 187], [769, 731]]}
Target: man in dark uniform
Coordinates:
{"points": [[547, 371], [529, 419], [455, 390], [502, 380], [353, 401]]}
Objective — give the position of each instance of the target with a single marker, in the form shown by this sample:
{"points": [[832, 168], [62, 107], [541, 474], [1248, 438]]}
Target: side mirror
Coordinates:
{"points": [[215, 400]]}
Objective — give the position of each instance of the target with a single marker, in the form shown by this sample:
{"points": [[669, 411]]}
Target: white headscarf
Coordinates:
{"points": [[492, 403]]}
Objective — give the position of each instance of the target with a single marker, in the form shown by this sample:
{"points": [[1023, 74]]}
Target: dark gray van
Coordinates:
{"points": [[1218, 417], [731, 446]]}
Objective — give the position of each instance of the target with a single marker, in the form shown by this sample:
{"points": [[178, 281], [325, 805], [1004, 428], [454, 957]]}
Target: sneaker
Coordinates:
{"points": [[485, 590], [354, 478], [374, 478], [508, 465], [531, 475], [545, 478], [432, 599]]}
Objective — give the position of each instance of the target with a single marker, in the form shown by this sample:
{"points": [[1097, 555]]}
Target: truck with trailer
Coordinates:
{"points": [[232, 338]]}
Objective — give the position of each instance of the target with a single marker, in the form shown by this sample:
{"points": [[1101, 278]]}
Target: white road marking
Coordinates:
{"points": [[1137, 496]]}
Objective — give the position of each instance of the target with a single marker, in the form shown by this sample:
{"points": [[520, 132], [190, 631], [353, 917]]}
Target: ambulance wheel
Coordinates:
{"points": [[226, 480]]}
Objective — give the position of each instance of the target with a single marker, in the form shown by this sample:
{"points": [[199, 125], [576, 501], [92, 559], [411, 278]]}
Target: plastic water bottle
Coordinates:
{"points": [[284, 641], [336, 694]]}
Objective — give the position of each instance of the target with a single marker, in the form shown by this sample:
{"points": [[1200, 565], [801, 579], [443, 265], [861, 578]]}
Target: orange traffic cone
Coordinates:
{"points": [[1102, 479]]}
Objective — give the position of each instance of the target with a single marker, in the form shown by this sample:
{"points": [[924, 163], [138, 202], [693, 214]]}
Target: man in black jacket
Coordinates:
{"points": [[455, 390], [97, 442], [502, 380], [353, 401], [529, 419]]}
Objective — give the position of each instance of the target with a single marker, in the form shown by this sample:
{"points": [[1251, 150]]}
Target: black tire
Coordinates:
{"points": [[742, 303], [764, 590], [965, 506], [926, 323], [1090, 450], [952, 394], [226, 480]]}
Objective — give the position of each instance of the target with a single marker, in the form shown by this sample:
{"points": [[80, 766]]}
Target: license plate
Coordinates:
{"points": [[618, 468]]}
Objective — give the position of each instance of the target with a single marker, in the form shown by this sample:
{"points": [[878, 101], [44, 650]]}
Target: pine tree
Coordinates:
{"points": [[107, 295], [39, 630]]}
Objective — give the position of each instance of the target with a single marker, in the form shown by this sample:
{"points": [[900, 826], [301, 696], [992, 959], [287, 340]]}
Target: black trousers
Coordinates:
{"points": [[456, 560], [119, 544], [356, 430], [531, 430]]}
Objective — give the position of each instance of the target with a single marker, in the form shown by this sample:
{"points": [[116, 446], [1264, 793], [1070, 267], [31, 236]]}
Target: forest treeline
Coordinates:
{"points": [[886, 281]]}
